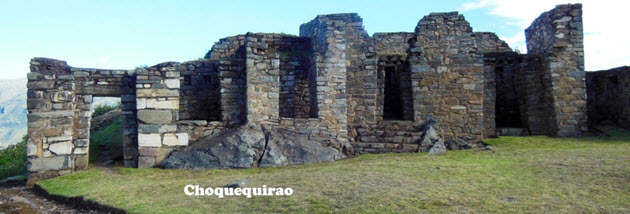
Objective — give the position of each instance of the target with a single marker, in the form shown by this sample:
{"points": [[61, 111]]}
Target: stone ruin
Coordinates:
{"points": [[333, 85]]}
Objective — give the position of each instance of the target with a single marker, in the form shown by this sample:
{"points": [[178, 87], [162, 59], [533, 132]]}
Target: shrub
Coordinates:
{"points": [[13, 159], [100, 110]]}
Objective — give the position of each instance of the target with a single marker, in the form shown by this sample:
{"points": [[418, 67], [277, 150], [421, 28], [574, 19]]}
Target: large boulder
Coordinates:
{"points": [[457, 144], [289, 148], [437, 148], [245, 147], [238, 148], [431, 137]]}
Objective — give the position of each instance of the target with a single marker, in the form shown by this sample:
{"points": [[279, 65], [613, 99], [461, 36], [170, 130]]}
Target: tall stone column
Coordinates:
{"points": [[328, 38], [557, 37], [263, 82], [130, 123], [51, 147], [157, 104]]}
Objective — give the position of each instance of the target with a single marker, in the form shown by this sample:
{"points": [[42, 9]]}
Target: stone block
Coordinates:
{"points": [[58, 139], [157, 93], [32, 149], [172, 83], [80, 151], [146, 162], [82, 142], [162, 104], [152, 128], [51, 163], [155, 116], [50, 114], [141, 103], [39, 85], [179, 139], [81, 162], [62, 148], [149, 140]]}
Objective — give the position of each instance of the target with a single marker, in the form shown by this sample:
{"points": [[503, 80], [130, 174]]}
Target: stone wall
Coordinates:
{"points": [[448, 75], [328, 38], [229, 54], [51, 93], [557, 37], [333, 84], [200, 92], [534, 91], [278, 74], [490, 46], [59, 104], [157, 104], [392, 43], [609, 97]]}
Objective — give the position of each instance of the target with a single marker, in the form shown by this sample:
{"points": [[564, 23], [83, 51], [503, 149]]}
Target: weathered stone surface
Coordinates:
{"points": [[63, 148], [155, 116], [288, 148], [457, 144], [437, 148], [172, 83], [239, 148], [146, 162], [245, 147], [50, 114], [157, 93], [80, 151], [51, 163], [31, 149], [149, 140], [162, 104], [172, 139], [152, 128]]}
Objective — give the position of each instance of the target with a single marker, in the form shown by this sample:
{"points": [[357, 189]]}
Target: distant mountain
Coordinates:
{"points": [[12, 111]]}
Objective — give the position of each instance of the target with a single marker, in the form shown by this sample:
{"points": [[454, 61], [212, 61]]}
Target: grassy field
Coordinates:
{"points": [[523, 175]]}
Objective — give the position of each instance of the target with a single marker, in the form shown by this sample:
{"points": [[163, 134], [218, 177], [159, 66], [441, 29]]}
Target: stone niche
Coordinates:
{"points": [[333, 85]]}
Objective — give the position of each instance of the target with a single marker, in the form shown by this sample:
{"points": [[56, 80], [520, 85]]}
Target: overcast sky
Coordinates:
{"points": [[126, 34]]}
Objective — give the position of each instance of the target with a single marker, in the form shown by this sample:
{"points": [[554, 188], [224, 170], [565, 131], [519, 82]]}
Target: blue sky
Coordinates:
{"points": [[126, 34]]}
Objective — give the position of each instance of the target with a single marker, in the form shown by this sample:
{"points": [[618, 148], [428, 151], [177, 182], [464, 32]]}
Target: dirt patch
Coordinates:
{"points": [[16, 199]]}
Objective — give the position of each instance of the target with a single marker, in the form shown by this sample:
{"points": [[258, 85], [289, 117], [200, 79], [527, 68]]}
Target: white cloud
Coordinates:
{"points": [[605, 45]]}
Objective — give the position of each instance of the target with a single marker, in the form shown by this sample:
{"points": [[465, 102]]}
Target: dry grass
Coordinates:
{"points": [[525, 174]]}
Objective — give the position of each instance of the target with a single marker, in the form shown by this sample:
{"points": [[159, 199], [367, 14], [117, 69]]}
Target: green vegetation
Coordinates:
{"points": [[109, 137], [524, 175], [13, 159], [100, 110]]}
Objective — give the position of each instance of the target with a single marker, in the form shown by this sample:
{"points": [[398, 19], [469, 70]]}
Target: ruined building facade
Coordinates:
{"points": [[333, 83]]}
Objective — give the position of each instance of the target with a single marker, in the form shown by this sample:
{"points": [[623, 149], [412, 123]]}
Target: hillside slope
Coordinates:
{"points": [[12, 111]]}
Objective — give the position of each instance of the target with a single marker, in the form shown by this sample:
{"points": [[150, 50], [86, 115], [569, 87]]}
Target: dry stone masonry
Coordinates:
{"points": [[609, 97], [334, 91]]}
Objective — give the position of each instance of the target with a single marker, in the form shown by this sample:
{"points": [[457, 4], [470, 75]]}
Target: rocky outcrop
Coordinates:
{"points": [[245, 147]]}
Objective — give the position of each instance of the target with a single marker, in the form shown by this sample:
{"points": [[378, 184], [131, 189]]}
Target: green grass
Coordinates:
{"points": [[13, 160], [109, 137], [524, 175]]}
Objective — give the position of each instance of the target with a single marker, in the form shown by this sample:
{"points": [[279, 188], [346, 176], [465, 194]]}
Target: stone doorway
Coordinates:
{"points": [[394, 83], [106, 132]]}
